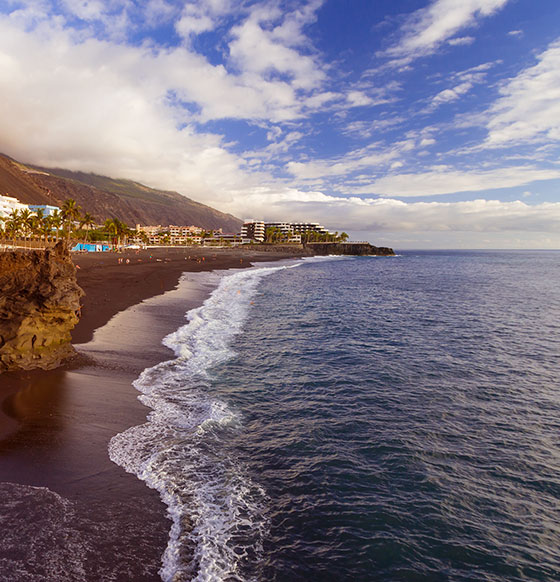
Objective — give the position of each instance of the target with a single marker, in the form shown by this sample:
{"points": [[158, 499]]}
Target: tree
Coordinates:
{"points": [[26, 219], [46, 228], [56, 222], [117, 228], [273, 234], [70, 212], [38, 223], [88, 221], [13, 225]]}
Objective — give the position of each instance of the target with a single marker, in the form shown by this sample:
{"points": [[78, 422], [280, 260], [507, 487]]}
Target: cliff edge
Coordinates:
{"points": [[349, 248], [39, 306]]}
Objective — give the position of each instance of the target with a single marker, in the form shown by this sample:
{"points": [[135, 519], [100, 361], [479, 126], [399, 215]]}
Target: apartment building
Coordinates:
{"points": [[175, 235], [290, 231], [8, 204], [46, 208], [253, 230]]}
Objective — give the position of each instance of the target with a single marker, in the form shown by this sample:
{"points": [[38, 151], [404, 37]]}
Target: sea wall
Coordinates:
{"points": [[291, 249], [360, 249], [39, 306], [322, 248]]}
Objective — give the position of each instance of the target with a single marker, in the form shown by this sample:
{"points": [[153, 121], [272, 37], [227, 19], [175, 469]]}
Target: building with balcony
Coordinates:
{"points": [[253, 230], [46, 208], [8, 204]]}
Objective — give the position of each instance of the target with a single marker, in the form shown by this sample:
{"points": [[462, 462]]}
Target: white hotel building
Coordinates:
{"points": [[9, 204], [256, 229]]}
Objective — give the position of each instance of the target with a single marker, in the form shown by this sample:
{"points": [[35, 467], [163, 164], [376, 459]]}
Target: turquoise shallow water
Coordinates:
{"points": [[362, 419]]}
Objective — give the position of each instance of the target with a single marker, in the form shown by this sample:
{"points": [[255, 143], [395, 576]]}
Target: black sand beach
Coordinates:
{"points": [[69, 512]]}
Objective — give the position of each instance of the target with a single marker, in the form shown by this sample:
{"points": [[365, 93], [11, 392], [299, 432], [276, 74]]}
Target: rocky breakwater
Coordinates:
{"points": [[349, 248], [39, 306]]}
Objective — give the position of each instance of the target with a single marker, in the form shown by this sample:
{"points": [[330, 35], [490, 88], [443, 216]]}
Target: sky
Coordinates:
{"points": [[408, 123]]}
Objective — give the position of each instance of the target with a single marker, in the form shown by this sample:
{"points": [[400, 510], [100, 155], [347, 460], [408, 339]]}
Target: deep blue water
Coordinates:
{"points": [[391, 419]]}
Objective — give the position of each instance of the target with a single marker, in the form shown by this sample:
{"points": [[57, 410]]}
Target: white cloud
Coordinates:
{"points": [[103, 108], [366, 129], [449, 95], [389, 215], [85, 9], [158, 11], [461, 41], [464, 81], [369, 158], [358, 99], [428, 28], [201, 16], [444, 180], [265, 44], [529, 107]]}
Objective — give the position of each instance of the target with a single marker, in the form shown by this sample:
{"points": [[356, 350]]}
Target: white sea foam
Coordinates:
{"points": [[46, 545], [216, 509]]}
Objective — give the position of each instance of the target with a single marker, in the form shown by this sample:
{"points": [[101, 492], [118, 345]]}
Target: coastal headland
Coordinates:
{"points": [[39, 306]]}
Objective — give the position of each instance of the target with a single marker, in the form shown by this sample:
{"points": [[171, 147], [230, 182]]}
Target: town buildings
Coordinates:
{"points": [[46, 208], [175, 235], [9, 204], [252, 231], [290, 232]]}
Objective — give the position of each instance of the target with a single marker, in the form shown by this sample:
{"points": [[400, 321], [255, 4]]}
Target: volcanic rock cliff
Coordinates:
{"points": [[39, 306], [349, 248]]}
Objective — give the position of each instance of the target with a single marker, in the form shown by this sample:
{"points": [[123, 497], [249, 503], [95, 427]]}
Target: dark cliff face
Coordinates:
{"points": [[39, 306], [360, 249]]}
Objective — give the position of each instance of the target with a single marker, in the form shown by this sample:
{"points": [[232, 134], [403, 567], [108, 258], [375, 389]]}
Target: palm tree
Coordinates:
{"points": [[70, 212], [13, 225], [118, 228], [46, 228], [88, 221], [143, 237], [26, 222], [38, 223], [57, 222]]}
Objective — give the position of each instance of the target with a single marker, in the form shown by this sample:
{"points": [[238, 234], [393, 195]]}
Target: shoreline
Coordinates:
{"points": [[55, 425], [111, 285]]}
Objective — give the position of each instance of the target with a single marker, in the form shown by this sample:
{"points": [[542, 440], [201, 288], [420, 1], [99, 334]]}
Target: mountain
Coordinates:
{"points": [[104, 197]]}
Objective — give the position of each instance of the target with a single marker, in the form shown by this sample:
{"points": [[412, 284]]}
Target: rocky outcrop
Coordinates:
{"points": [[349, 248], [39, 306]]}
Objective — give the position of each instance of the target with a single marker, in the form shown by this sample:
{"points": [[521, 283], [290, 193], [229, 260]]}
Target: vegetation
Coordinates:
{"points": [[36, 229], [274, 235]]}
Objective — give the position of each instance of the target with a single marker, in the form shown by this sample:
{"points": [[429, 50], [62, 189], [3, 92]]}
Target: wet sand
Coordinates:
{"points": [[112, 284], [56, 426]]}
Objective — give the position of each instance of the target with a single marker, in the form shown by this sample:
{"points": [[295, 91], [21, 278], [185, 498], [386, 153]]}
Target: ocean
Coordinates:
{"points": [[360, 418]]}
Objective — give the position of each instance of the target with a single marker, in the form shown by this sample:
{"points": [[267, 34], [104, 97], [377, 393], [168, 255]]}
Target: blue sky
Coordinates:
{"points": [[412, 123]]}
